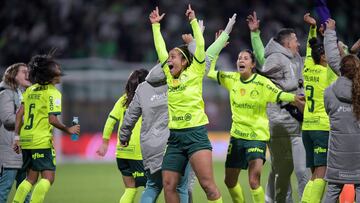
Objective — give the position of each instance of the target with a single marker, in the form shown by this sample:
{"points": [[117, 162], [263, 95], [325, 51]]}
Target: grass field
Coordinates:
{"points": [[102, 183]]}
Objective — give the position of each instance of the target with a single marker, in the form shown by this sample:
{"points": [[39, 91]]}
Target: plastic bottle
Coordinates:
{"points": [[75, 121]]}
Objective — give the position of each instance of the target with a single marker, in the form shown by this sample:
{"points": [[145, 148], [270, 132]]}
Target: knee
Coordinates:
{"points": [[169, 185], [210, 189]]}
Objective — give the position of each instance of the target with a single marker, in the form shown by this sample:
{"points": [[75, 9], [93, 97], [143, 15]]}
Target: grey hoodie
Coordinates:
{"points": [[9, 103], [343, 164], [150, 102], [284, 69]]}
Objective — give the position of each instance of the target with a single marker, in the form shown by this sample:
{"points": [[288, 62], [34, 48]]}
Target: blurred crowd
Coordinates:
{"points": [[120, 29]]}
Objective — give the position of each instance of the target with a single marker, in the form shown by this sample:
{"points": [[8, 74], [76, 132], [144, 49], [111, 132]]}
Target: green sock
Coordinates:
{"points": [[258, 195], [128, 196], [21, 192], [216, 201], [307, 192], [237, 194], [317, 190], [40, 190]]}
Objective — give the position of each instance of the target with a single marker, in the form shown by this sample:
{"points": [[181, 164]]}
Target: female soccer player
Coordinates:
{"points": [[36, 118], [188, 137], [249, 95], [342, 103], [129, 159], [15, 81], [315, 128]]}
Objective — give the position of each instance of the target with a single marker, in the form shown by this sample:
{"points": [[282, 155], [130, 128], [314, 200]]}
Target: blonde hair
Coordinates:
{"points": [[10, 75]]}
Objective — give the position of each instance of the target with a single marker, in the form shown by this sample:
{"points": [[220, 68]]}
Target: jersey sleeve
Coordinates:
{"points": [[274, 94], [115, 116], [227, 79], [159, 42], [199, 54], [258, 47], [54, 102]]}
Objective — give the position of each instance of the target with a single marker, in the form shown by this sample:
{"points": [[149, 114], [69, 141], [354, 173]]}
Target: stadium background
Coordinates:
{"points": [[100, 42]]}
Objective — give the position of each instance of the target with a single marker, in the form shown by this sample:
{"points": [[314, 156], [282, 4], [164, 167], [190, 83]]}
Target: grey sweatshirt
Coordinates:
{"points": [[284, 69], [343, 164], [150, 102], [9, 103]]}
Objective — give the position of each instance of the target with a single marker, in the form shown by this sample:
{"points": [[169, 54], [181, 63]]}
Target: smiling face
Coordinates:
{"points": [[293, 43], [22, 77], [176, 62], [245, 63]]}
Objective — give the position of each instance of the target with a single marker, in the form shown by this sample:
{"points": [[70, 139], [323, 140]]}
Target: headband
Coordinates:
{"points": [[183, 54]]}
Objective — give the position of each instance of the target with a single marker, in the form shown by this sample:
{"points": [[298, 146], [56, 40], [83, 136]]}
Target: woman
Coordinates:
{"points": [[188, 139], [15, 81], [129, 160], [36, 118], [315, 127], [342, 104], [249, 95]]}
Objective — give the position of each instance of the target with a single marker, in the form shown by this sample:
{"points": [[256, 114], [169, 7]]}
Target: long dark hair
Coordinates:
{"points": [[350, 68], [317, 50], [135, 78], [42, 69]]}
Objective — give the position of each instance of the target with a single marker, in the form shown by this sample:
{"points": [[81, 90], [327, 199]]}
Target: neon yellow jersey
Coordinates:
{"points": [[185, 102], [248, 100], [39, 101], [316, 79], [133, 150]]}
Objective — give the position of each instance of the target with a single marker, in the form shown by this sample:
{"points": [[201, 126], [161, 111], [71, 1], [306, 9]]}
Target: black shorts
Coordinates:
{"points": [[39, 159], [134, 168]]}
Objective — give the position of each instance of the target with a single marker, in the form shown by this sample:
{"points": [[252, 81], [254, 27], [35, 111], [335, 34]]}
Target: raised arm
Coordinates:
{"points": [[312, 34], [199, 54], [131, 116], [256, 43], [159, 42], [221, 39], [331, 48]]}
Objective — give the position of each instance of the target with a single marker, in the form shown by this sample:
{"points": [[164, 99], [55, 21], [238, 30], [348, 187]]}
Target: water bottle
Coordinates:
{"points": [[75, 121]]}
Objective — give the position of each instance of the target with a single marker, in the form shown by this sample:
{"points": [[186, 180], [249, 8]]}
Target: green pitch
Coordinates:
{"points": [[100, 183]]}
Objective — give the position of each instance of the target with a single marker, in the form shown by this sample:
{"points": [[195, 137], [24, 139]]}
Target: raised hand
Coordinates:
{"points": [[309, 20], [356, 47], [253, 22], [187, 38], [155, 17], [230, 24], [190, 13], [217, 35], [330, 24]]}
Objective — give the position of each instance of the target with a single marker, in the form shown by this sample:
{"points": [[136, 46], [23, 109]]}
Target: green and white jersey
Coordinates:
{"points": [[248, 101], [316, 79], [133, 150], [39, 101], [185, 102]]}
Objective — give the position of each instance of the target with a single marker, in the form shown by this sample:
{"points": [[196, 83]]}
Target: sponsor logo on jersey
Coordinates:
{"points": [[255, 149], [319, 150], [37, 156]]}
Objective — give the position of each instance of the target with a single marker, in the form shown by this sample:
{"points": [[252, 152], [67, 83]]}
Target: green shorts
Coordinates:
{"points": [[39, 159], [182, 144], [316, 146], [241, 152], [134, 168]]}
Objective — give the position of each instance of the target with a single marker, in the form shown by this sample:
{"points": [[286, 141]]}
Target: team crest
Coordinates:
{"points": [[242, 92], [254, 94]]}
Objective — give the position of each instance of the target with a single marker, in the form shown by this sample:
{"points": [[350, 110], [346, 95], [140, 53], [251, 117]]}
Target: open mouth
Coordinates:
{"points": [[170, 66], [241, 67]]}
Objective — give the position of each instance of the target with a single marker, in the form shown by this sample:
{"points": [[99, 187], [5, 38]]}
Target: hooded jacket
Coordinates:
{"points": [[284, 69], [9, 103], [150, 102], [343, 164]]}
